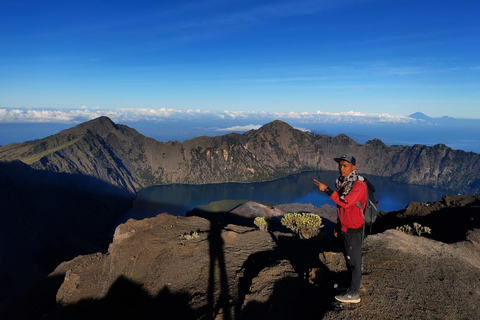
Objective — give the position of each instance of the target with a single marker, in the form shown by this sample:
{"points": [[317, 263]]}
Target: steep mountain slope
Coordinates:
{"points": [[123, 157], [84, 149]]}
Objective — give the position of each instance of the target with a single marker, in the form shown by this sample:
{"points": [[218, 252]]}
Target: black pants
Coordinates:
{"points": [[352, 240]]}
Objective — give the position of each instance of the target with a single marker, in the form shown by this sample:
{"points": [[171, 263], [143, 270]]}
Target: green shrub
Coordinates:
{"points": [[419, 229], [191, 235], [261, 223], [405, 229], [305, 225]]}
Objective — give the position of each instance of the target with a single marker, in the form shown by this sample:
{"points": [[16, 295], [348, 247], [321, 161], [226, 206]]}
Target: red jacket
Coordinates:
{"points": [[348, 213]]}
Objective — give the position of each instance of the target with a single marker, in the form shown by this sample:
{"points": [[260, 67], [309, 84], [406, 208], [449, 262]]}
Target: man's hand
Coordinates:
{"points": [[320, 185]]}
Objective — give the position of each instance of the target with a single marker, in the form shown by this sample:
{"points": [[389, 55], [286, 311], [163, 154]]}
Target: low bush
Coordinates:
{"points": [[191, 235], [261, 223], [304, 225], [417, 227], [405, 229]]}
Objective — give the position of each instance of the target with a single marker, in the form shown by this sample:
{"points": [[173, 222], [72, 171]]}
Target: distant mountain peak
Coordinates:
{"points": [[420, 116], [440, 120], [276, 125], [100, 125], [100, 122]]}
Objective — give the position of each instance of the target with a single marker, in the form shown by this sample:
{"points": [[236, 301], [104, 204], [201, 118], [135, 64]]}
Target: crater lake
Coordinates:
{"points": [[177, 199]]}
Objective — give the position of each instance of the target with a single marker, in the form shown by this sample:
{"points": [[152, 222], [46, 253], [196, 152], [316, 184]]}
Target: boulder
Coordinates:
{"points": [[252, 209]]}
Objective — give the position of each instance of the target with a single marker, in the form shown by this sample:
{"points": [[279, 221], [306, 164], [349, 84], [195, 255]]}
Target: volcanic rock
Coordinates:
{"points": [[254, 209], [449, 219], [192, 268]]}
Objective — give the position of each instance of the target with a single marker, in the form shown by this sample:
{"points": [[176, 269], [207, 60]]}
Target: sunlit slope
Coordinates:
{"points": [[32, 151]]}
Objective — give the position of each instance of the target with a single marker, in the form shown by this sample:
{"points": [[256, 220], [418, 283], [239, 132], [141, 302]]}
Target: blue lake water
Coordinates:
{"points": [[177, 199]]}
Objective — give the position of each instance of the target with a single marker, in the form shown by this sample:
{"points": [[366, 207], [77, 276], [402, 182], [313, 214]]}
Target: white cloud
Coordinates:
{"points": [[302, 129], [43, 116], [240, 128], [164, 114]]}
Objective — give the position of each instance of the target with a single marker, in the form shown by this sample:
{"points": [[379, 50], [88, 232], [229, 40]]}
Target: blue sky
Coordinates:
{"points": [[325, 56]]}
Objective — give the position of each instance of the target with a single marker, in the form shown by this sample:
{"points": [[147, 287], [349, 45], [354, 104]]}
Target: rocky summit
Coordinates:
{"points": [[171, 267], [121, 156]]}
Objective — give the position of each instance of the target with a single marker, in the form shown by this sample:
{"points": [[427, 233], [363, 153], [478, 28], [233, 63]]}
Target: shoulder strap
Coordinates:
{"points": [[359, 204]]}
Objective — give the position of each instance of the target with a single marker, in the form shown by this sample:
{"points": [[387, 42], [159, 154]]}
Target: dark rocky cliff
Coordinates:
{"points": [[121, 156], [191, 268], [49, 217]]}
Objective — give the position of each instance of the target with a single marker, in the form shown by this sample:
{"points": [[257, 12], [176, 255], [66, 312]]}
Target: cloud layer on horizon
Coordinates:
{"points": [[24, 115]]}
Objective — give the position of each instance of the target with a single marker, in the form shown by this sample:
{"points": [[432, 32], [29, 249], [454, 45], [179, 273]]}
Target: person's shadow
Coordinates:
{"points": [[216, 244]]}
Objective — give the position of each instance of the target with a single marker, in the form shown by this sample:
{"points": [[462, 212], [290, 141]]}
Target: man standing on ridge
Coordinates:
{"points": [[351, 190]]}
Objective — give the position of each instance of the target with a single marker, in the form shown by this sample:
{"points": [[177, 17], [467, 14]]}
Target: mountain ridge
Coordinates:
{"points": [[123, 157]]}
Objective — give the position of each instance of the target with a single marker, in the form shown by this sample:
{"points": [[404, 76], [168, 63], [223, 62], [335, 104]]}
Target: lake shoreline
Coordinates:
{"points": [[177, 199]]}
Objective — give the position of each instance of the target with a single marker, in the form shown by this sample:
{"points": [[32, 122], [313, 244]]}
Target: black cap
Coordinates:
{"points": [[346, 157]]}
